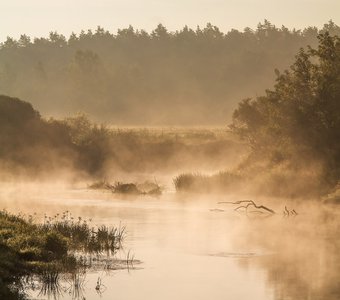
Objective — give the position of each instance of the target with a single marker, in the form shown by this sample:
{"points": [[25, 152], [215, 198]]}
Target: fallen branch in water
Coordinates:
{"points": [[249, 203]]}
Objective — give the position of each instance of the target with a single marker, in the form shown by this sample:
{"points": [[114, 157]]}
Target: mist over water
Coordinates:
{"points": [[246, 209], [188, 250]]}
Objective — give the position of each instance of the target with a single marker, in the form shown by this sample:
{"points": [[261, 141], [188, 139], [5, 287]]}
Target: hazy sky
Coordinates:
{"points": [[39, 17]]}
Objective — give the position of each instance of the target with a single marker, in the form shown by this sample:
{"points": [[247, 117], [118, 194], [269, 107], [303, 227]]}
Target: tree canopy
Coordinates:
{"points": [[298, 121], [190, 76]]}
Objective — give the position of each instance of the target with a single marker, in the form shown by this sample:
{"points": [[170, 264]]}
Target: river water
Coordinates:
{"points": [[189, 247]]}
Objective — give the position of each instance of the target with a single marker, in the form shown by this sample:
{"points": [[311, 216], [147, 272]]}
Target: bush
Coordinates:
{"points": [[297, 124], [56, 245]]}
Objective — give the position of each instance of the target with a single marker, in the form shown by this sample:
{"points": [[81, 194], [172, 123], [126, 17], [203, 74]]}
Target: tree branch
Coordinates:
{"points": [[250, 203]]}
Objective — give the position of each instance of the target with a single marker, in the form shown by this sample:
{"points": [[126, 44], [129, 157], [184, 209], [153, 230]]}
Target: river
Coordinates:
{"points": [[189, 247]]}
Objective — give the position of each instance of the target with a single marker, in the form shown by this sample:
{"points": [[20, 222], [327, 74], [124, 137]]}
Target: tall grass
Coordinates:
{"points": [[61, 244], [82, 236], [196, 182]]}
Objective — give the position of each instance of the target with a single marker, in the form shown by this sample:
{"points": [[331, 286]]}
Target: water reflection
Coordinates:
{"points": [[305, 254], [54, 284], [193, 249]]}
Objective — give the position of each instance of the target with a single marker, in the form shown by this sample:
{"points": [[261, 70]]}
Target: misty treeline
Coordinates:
{"points": [[296, 125], [33, 146], [293, 131], [190, 76]]}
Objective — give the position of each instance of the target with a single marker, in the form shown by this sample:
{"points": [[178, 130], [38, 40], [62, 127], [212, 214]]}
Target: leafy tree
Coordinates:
{"points": [[24, 40], [299, 119], [160, 33], [57, 39]]}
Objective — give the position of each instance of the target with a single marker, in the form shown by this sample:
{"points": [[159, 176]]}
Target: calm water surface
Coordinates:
{"points": [[188, 251]]}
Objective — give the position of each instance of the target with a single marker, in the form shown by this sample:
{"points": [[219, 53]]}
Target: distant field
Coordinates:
{"points": [[183, 134], [174, 149]]}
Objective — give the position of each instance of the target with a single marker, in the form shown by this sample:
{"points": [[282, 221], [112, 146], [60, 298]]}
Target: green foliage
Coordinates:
{"points": [[92, 142], [27, 248], [25, 137], [56, 244], [298, 122], [16, 112], [81, 236]]}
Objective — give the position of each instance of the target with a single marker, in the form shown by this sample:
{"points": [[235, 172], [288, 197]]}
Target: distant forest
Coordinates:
{"points": [[187, 77]]}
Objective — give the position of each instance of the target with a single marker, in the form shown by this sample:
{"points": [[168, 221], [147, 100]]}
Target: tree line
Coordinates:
{"points": [[186, 77]]}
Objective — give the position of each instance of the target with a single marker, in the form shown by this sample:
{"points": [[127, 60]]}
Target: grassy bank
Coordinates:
{"points": [[59, 245]]}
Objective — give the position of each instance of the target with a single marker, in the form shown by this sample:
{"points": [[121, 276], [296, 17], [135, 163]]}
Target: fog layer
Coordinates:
{"points": [[188, 77]]}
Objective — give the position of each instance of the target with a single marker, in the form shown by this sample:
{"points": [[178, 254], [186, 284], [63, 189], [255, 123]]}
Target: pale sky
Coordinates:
{"points": [[38, 17]]}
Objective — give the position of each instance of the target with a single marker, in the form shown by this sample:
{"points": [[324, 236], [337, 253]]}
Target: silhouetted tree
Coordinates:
{"points": [[299, 119]]}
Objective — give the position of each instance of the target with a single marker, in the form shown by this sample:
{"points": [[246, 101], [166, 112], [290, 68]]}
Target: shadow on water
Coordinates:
{"points": [[50, 285]]}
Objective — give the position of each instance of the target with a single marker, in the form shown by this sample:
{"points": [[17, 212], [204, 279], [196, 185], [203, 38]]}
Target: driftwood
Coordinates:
{"points": [[248, 204], [260, 208]]}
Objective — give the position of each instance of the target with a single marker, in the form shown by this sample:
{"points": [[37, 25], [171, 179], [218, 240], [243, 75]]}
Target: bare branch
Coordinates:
{"points": [[250, 203]]}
